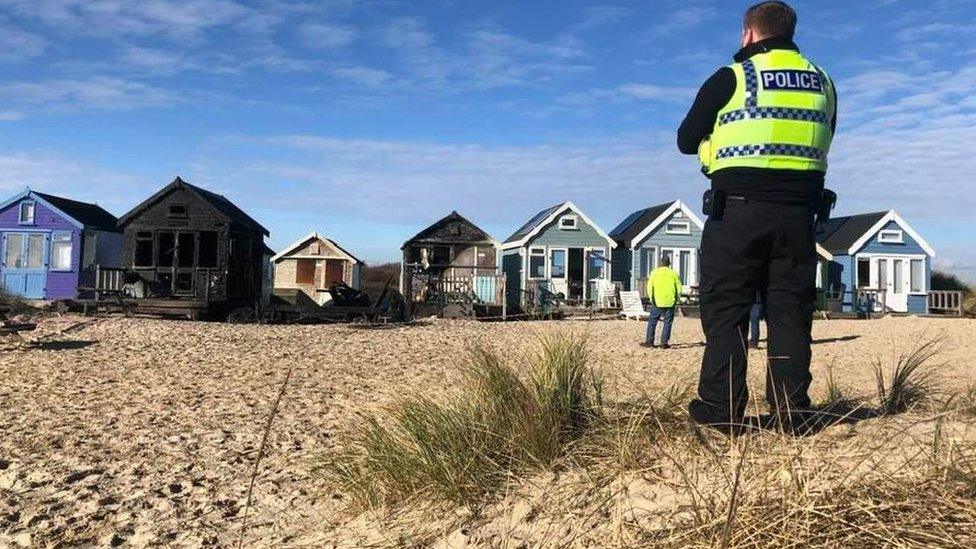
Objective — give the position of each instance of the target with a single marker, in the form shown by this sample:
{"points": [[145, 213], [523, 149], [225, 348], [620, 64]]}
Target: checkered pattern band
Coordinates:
{"points": [[752, 82], [772, 149], [778, 113]]}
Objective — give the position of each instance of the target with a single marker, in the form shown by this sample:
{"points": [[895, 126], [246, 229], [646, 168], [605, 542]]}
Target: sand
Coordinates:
{"points": [[139, 432]]}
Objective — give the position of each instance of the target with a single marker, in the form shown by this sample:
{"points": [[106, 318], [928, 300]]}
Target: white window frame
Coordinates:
{"points": [[573, 226], [907, 259], [685, 230], [71, 251], [536, 251], [922, 282], [33, 212], [605, 268], [891, 236], [565, 252], [676, 262]]}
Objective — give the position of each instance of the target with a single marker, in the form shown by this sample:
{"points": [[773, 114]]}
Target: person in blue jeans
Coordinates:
{"points": [[755, 315], [663, 289]]}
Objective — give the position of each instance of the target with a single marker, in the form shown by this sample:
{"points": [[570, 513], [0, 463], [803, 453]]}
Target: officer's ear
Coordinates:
{"points": [[749, 36]]}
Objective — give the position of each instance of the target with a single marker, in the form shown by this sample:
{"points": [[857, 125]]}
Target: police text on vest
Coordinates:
{"points": [[792, 80]]}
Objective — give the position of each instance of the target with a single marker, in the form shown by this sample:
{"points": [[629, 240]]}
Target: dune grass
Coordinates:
{"points": [[893, 488], [465, 449], [910, 379]]}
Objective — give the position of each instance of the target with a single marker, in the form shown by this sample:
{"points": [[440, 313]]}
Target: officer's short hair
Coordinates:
{"points": [[665, 261], [771, 19]]}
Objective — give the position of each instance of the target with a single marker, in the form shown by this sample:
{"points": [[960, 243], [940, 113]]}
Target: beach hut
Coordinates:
{"points": [[559, 251], [194, 250], [312, 264], [879, 263], [451, 268], [52, 245], [666, 230]]}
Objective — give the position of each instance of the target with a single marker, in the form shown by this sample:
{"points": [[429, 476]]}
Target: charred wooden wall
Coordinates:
{"points": [[234, 273]]}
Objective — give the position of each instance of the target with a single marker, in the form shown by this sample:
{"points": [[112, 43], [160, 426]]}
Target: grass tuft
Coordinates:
{"points": [[910, 381], [464, 450]]}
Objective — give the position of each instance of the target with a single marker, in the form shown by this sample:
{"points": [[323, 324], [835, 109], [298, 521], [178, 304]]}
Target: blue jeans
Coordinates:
{"points": [[754, 315], [668, 314]]}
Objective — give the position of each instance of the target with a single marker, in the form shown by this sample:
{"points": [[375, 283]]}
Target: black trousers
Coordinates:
{"points": [[769, 248]]}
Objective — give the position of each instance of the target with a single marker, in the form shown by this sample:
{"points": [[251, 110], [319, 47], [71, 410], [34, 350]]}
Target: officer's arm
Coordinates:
{"points": [[714, 94], [833, 121]]}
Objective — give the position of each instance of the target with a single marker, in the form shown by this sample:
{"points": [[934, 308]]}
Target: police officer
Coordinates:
{"points": [[762, 128]]}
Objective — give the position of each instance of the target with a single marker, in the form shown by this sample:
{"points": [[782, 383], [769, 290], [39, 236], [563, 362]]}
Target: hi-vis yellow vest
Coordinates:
{"points": [[779, 116]]}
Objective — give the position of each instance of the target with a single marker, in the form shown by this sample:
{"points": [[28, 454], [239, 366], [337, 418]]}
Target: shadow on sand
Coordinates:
{"points": [[68, 345]]}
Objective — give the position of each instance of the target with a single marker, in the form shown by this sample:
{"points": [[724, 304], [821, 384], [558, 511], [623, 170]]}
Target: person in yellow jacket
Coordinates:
{"points": [[664, 290]]}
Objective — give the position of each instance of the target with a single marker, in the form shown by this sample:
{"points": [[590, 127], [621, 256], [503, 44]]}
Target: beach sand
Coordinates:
{"points": [[142, 432]]}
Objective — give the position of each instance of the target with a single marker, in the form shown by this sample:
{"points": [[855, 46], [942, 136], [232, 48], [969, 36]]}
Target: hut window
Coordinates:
{"points": [[413, 255], [537, 263], [569, 223], [557, 262], [208, 249], [440, 255], [891, 237], [167, 247], [305, 271], [917, 276], [27, 212], [597, 263], [678, 227], [863, 273], [315, 248], [186, 246], [61, 248], [144, 249], [177, 210]]}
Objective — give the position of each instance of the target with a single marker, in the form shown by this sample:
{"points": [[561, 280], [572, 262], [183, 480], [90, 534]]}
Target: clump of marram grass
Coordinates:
{"points": [[836, 400], [911, 379], [464, 449]]}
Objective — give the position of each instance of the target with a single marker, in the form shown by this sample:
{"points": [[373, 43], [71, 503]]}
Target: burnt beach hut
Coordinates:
{"points": [[193, 252], [451, 269]]}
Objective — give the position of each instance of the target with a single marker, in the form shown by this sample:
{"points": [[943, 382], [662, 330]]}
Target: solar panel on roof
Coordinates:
{"points": [[536, 219], [626, 223]]}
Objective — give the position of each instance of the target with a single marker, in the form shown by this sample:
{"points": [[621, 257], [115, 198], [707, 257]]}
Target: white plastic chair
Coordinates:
{"points": [[631, 306]]}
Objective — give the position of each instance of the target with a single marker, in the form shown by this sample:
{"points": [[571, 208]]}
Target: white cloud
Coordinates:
{"points": [[599, 16], [682, 19], [176, 19], [363, 75], [326, 35], [17, 45], [11, 116], [101, 93], [53, 173]]}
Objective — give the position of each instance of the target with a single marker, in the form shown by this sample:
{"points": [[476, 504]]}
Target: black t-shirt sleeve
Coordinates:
{"points": [[714, 94]]}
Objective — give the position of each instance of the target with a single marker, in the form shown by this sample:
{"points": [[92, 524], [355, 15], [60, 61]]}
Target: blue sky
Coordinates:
{"points": [[367, 120]]}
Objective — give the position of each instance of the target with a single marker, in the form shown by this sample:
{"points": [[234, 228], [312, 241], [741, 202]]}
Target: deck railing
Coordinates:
{"points": [[109, 279], [946, 302]]}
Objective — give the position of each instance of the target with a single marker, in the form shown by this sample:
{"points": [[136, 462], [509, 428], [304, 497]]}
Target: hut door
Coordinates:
{"points": [[24, 264], [183, 270], [576, 273]]}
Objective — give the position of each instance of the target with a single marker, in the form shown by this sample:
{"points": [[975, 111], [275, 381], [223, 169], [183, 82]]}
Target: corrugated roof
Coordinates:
{"points": [[532, 223], [636, 222], [840, 233], [90, 215]]}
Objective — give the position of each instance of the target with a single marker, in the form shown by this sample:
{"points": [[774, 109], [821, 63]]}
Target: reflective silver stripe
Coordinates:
{"points": [[772, 149], [777, 113]]}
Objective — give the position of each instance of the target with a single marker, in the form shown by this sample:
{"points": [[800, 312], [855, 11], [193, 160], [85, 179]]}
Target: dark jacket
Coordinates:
{"points": [[771, 185]]}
